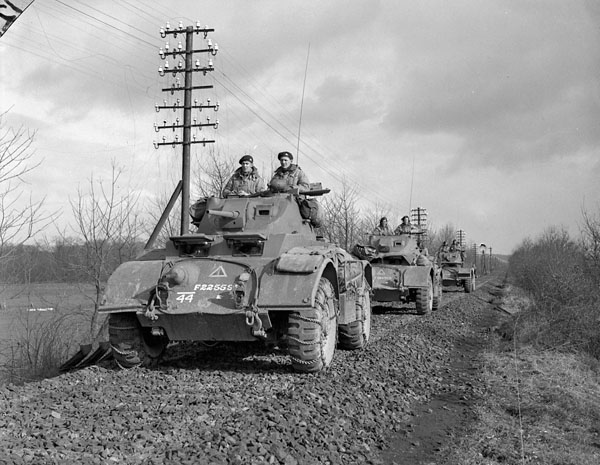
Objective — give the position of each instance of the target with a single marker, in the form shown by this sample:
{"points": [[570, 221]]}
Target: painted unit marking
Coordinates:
{"points": [[218, 273]]}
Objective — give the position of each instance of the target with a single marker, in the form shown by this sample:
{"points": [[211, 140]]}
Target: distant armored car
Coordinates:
{"points": [[254, 270], [454, 272], [402, 270]]}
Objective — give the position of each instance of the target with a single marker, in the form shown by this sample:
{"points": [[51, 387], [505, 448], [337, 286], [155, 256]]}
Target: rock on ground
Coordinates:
{"points": [[239, 404]]}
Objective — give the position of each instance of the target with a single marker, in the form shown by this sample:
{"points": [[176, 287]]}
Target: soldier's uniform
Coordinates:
{"points": [[382, 231], [404, 228], [284, 179], [240, 182]]}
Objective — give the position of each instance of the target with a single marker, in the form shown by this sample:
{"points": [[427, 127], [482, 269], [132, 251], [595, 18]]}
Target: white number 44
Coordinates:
{"points": [[185, 297]]}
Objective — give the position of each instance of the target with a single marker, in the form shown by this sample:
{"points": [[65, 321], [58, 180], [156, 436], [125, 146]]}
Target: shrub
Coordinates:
{"points": [[565, 313]]}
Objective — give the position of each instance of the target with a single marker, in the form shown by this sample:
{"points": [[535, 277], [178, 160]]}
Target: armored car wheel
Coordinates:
{"points": [[132, 345], [469, 284], [424, 300], [312, 333], [437, 301], [355, 335]]}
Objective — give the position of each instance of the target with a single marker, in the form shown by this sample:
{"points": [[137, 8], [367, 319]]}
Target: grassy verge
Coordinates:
{"points": [[34, 343], [540, 406]]}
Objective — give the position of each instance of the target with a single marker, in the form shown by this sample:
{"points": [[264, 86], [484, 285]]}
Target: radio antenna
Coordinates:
{"points": [[302, 105], [412, 180]]}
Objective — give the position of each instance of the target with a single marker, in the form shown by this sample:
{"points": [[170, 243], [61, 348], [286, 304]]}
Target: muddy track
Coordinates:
{"points": [[395, 402]]}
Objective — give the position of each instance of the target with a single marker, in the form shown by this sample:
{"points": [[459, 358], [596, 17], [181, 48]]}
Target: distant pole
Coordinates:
{"points": [[490, 259]]}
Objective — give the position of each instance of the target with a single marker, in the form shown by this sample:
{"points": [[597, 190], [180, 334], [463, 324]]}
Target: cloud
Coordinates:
{"points": [[510, 95]]}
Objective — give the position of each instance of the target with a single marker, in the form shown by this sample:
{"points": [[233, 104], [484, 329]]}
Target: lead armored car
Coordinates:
{"points": [[402, 270], [253, 270]]}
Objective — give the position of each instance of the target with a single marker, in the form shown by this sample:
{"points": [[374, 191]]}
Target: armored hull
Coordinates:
{"points": [[402, 271], [254, 270], [455, 274]]}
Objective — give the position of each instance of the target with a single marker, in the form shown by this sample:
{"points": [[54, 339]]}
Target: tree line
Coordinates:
{"points": [[111, 224]]}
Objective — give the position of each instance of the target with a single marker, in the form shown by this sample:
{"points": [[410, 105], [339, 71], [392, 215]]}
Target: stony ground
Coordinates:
{"points": [[397, 402]]}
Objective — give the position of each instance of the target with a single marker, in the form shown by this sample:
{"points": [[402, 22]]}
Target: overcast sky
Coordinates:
{"points": [[486, 113]]}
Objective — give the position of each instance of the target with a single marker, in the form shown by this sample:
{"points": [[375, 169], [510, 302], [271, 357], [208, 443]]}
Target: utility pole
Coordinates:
{"points": [[460, 237], [187, 66], [418, 217]]}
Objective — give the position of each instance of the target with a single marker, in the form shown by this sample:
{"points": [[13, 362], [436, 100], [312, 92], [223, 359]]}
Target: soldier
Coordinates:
{"points": [[245, 179], [288, 175], [404, 227], [383, 229], [443, 252], [453, 247]]}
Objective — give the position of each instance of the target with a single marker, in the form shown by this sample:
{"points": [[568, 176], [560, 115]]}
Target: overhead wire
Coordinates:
{"points": [[273, 122]]}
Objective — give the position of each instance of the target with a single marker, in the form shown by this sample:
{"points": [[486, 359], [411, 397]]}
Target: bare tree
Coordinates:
{"points": [[371, 219], [213, 172], [20, 217], [342, 218], [110, 226], [590, 239], [210, 176]]}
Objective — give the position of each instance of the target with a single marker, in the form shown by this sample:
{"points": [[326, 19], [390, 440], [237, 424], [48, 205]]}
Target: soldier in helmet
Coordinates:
{"points": [[245, 179], [288, 175]]}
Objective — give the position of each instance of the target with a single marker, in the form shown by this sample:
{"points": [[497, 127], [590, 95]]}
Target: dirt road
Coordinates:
{"points": [[398, 401]]}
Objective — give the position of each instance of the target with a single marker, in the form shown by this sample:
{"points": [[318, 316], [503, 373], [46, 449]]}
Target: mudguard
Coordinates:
{"points": [[416, 276], [296, 262], [129, 286], [292, 285]]}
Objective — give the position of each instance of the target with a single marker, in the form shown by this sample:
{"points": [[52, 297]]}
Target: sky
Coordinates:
{"points": [[486, 114]]}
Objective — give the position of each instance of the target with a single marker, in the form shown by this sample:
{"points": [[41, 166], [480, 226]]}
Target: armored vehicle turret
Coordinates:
{"points": [[253, 270], [402, 270]]}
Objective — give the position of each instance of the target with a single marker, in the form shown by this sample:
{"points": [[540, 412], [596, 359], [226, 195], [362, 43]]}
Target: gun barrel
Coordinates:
{"points": [[223, 213]]}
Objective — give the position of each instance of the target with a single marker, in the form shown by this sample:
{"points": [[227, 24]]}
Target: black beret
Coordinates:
{"points": [[405, 217], [285, 154], [246, 158]]}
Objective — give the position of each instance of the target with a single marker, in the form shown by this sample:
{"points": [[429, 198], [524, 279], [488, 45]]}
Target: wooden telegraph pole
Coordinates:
{"points": [[187, 66]]}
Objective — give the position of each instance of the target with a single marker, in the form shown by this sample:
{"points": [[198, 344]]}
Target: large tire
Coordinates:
{"points": [[312, 333], [469, 284], [437, 301], [132, 345], [355, 335], [424, 299]]}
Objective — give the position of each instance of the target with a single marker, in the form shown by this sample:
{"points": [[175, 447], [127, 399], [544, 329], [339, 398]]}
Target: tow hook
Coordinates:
{"points": [[253, 320]]}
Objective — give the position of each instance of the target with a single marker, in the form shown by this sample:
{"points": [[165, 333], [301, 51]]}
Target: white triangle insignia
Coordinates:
{"points": [[218, 273]]}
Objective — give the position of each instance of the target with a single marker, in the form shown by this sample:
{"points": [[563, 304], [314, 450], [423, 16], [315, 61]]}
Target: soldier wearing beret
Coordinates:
{"points": [[245, 180], [288, 175]]}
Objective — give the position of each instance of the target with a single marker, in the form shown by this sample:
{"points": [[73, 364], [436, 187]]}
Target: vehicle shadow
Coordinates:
{"points": [[393, 308], [236, 357]]}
